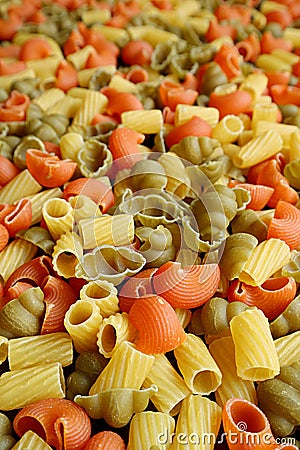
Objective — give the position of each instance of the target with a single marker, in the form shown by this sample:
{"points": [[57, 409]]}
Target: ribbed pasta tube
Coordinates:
{"points": [[228, 129], [59, 217], [93, 102], [31, 440], [38, 200], [184, 113], [66, 254], [22, 185], [104, 294], [3, 348], [288, 348], [16, 253], [143, 121], [255, 353]]}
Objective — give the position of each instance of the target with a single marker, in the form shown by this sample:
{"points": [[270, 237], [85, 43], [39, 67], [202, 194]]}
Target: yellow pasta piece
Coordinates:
{"points": [[255, 353], [82, 321], [95, 15], [286, 56], [104, 294], [85, 75], [112, 331], [184, 316], [184, 113], [80, 57], [200, 373], [292, 35], [44, 67], [127, 368], [178, 179], [70, 144], [284, 130], [244, 138], [93, 102], [198, 424], [19, 187], [66, 254], [49, 98], [271, 63], [151, 34], [58, 216], [117, 35], [84, 207], [268, 6], [143, 121], [294, 149], [288, 348], [255, 84], [171, 387], [151, 430], [19, 388], [259, 20], [38, 200], [261, 147], [6, 81], [31, 440], [122, 85], [222, 350], [22, 36], [16, 253], [268, 257], [3, 349], [67, 106], [107, 230], [263, 111], [228, 129], [43, 349]]}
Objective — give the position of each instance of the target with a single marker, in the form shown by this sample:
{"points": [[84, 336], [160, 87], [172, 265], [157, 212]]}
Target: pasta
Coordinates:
{"points": [[30, 438]]}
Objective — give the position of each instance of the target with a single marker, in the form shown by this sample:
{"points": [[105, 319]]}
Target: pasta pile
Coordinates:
{"points": [[149, 224]]}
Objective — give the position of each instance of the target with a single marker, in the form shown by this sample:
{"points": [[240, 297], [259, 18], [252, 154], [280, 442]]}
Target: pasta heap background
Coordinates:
{"points": [[149, 224]]}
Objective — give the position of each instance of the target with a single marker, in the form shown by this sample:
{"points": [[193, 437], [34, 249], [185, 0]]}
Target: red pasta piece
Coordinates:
{"points": [[193, 127], [186, 287], [234, 103], [97, 40], [190, 82], [159, 328], [217, 30], [49, 170], [11, 67], [4, 237], [268, 43], [278, 78], [283, 94], [229, 12], [228, 58], [105, 58], [283, 17], [95, 189], [34, 48], [162, 4], [66, 76], [58, 296], [119, 102], [260, 194], [137, 52], [24, 9], [7, 170], [10, 50], [106, 440], [168, 115], [9, 26], [255, 170], [17, 289], [135, 287], [4, 211], [285, 224], [272, 297], [20, 218], [74, 43], [137, 74], [60, 422], [246, 426], [127, 9], [172, 93], [249, 48], [123, 144], [14, 108]]}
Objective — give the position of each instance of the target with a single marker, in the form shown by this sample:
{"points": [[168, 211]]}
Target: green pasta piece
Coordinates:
{"points": [[182, 64], [243, 197], [162, 56], [147, 174], [292, 172], [27, 86], [38, 236], [58, 122], [157, 245], [292, 268], [203, 53], [213, 170], [197, 149], [26, 142], [247, 221], [100, 78], [288, 321], [94, 158], [213, 77]]}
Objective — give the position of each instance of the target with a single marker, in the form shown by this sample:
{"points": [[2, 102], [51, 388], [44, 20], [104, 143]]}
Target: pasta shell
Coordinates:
{"points": [[20, 218], [288, 321], [285, 224], [260, 194], [61, 422], [159, 328], [34, 48], [135, 287], [137, 52], [7, 170], [234, 103], [4, 237], [186, 287], [95, 189], [123, 144], [66, 254], [49, 170], [193, 127], [107, 440], [94, 158]]}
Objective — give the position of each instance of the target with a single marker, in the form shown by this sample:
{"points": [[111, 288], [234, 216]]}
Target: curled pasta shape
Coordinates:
{"points": [[135, 287], [123, 144], [233, 103], [38, 236], [196, 149], [279, 399], [260, 194], [137, 52], [272, 297], [116, 406], [285, 224], [94, 158], [4, 237], [249, 222], [49, 170], [19, 218], [66, 254], [120, 102], [8, 170], [291, 172], [178, 182], [229, 60], [193, 127], [157, 323], [107, 440], [288, 321], [147, 174], [186, 287], [62, 423], [95, 189], [157, 245]]}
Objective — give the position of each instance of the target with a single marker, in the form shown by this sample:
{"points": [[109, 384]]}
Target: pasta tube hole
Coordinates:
{"points": [[205, 381], [32, 424], [108, 338], [96, 291], [81, 313], [249, 416], [57, 208]]}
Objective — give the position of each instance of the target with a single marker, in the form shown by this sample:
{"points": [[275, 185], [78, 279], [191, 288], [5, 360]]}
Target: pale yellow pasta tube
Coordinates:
{"points": [[38, 200], [151, 430], [184, 113], [184, 316], [93, 102], [121, 84], [151, 34], [85, 75], [19, 388], [70, 144], [285, 131], [200, 373], [3, 349], [264, 111], [19, 187], [179, 182], [14, 255], [294, 149], [171, 387], [67, 106], [44, 67], [84, 207], [286, 56], [112, 331], [198, 424], [91, 16], [288, 348], [228, 129], [66, 254], [31, 351], [258, 149], [268, 6], [271, 63], [82, 321], [104, 294], [58, 216], [255, 84], [255, 353], [107, 230], [31, 440], [143, 121], [6, 81], [117, 35], [292, 35], [80, 57], [268, 257], [49, 98], [232, 385], [127, 368]]}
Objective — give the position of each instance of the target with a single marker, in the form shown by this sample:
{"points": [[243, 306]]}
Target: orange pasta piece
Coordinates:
{"points": [[272, 297], [277, 78], [10, 51], [97, 40], [123, 144], [137, 52], [285, 224], [249, 47], [157, 323], [268, 43], [228, 59], [119, 102], [12, 67], [186, 287], [193, 127], [14, 108], [58, 296], [74, 43], [9, 26], [217, 30], [106, 440], [49, 170], [282, 17], [234, 103], [246, 426], [34, 48], [137, 74], [260, 194], [105, 58], [60, 422], [283, 94], [135, 287], [20, 218], [7, 170], [4, 237], [95, 189], [172, 94], [229, 12], [66, 76], [5, 209], [17, 289]]}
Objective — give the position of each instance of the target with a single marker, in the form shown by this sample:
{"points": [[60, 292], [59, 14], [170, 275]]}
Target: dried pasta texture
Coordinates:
{"points": [[255, 353], [287, 348], [104, 294], [58, 216], [66, 254], [288, 321]]}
